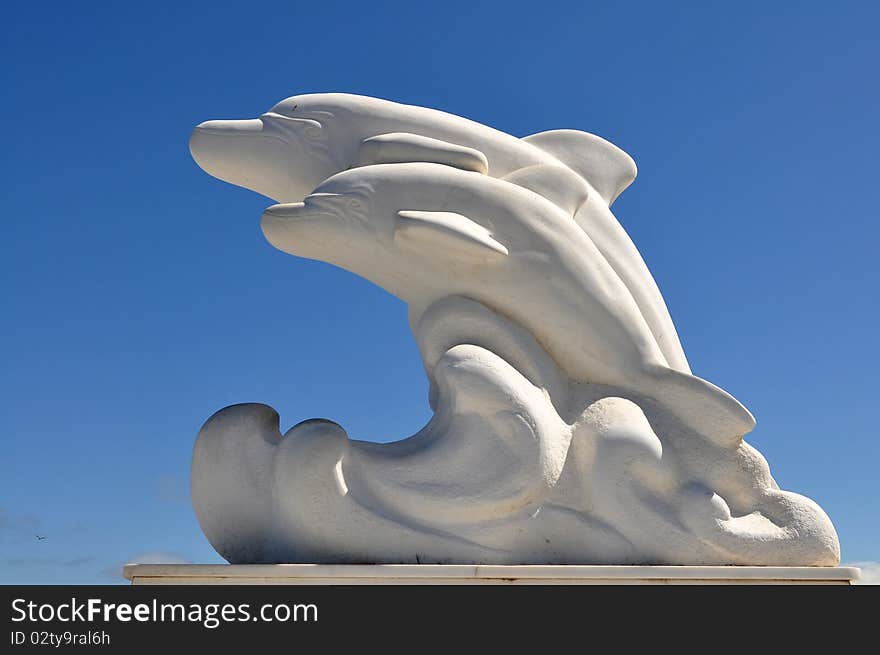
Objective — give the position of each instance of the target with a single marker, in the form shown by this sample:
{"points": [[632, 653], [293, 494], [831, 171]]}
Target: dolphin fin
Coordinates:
{"points": [[601, 163], [557, 183], [404, 147], [710, 411], [424, 230]]}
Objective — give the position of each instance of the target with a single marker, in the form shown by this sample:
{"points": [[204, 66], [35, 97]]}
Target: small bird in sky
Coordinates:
{"points": [[40, 537]]}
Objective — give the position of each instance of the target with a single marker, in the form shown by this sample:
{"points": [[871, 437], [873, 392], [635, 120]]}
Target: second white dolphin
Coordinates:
{"points": [[426, 231]]}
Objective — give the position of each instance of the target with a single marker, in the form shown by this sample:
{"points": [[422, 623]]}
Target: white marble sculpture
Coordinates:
{"points": [[567, 425]]}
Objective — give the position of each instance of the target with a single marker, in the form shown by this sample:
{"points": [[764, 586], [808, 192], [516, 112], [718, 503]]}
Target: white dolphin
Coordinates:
{"points": [[426, 231], [303, 140]]}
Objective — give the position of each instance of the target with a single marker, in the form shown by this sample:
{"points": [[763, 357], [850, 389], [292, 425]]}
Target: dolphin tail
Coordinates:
{"points": [[708, 410], [622, 255]]}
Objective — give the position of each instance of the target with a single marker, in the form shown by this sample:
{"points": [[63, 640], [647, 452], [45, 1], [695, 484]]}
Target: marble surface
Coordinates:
{"points": [[398, 574]]}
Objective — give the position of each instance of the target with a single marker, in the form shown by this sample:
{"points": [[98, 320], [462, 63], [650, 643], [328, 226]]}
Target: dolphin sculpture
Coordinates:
{"points": [[427, 231], [567, 426], [303, 140]]}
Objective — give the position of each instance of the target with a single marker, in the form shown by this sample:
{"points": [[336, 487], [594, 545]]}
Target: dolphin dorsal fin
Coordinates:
{"points": [[606, 167], [404, 147], [429, 231], [559, 184]]}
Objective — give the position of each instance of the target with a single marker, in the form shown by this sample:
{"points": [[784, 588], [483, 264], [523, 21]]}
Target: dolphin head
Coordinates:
{"points": [[393, 224], [343, 218], [283, 154]]}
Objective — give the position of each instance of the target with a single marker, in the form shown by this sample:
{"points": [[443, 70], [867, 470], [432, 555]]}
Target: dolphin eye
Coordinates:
{"points": [[355, 204], [313, 131]]}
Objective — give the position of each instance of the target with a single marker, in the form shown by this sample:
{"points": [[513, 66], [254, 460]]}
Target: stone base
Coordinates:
{"points": [[436, 574]]}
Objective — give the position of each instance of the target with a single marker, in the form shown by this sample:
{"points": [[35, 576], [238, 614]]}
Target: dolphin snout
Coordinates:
{"points": [[247, 153], [299, 229]]}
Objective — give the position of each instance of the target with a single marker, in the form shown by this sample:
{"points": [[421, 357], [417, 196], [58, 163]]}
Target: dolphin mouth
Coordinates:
{"points": [[252, 127], [249, 153], [295, 211], [315, 205], [300, 229]]}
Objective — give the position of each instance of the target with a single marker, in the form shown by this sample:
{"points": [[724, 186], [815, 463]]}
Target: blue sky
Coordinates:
{"points": [[139, 295]]}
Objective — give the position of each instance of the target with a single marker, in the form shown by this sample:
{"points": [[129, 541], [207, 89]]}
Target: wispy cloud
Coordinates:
{"points": [[81, 560], [158, 557], [18, 527], [870, 572], [149, 557]]}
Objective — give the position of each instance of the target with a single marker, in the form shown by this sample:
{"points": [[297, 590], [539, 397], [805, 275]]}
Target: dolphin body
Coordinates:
{"points": [[303, 140], [426, 231]]}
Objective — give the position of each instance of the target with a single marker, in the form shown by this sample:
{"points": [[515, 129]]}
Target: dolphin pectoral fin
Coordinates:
{"points": [[559, 184], [426, 231], [404, 147], [708, 410], [605, 166]]}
